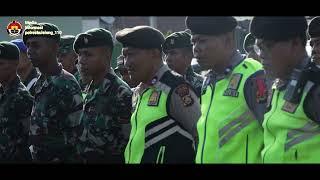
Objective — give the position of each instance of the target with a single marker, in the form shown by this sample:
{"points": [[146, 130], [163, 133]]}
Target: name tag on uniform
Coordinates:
{"points": [[154, 98], [233, 86], [289, 107]]}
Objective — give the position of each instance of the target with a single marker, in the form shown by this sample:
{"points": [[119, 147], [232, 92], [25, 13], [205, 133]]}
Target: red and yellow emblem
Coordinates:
{"points": [[14, 28]]}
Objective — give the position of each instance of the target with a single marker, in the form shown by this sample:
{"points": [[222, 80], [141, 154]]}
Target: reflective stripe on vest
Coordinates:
{"points": [[141, 117], [290, 137], [231, 124]]}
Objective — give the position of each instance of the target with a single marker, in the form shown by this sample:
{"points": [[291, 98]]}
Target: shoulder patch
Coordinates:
{"points": [[261, 94], [184, 93]]}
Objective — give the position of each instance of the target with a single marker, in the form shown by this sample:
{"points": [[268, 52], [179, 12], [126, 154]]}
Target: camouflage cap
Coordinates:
{"points": [[180, 39], [314, 27], [93, 38], [66, 44], [42, 30], [144, 37], [9, 51], [210, 25], [278, 28]]}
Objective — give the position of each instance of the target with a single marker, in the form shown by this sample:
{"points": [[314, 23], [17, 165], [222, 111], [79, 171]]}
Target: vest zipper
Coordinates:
{"points": [[205, 124], [267, 120], [136, 123]]}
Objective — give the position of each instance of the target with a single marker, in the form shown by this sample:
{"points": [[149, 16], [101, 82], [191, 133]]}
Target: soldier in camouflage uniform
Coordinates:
{"points": [[55, 117], [66, 55], [178, 50], [27, 73], [107, 107], [15, 108]]}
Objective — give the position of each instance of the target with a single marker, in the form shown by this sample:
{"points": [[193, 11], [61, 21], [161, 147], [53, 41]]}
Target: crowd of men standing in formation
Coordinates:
{"points": [[62, 102]]}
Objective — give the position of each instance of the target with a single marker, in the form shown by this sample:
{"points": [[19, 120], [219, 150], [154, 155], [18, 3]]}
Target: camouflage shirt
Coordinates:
{"points": [[30, 81], [106, 113], [15, 109], [78, 78], [195, 80], [55, 117]]}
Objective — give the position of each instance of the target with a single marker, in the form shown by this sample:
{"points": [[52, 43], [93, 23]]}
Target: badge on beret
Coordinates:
{"points": [[183, 91], [154, 98], [172, 41], [232, 89], [289, 107], [261, 94], [85, 40]]}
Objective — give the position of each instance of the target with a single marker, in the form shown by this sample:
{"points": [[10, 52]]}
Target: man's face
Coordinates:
{"points": [[93, 60], [138, 62], [7, 68], [40, 50], [208, 50], [68, 60], [24, 62], [315, 54], [276, 56], [178, 60]]}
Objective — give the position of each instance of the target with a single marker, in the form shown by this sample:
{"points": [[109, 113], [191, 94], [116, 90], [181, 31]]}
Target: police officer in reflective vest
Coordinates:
{"points": [[233, 94], [165, 106], [291, 129]]}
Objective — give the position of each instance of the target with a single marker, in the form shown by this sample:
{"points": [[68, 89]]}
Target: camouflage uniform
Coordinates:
{"points": [[195, 80], [55, 117], [107, 111], [15, 109], [29, 82], [78, 78]]}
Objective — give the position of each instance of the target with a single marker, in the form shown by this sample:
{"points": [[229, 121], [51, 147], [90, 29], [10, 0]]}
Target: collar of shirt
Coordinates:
{"points": [[34, 73], [102, 86]]}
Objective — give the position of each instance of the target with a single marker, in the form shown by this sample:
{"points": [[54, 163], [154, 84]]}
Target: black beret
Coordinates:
{"points": [[66, 43], [249, 40], [144, 37], [211, 25], [314, 27], [42, 30], [278, 28], [9, 51], [180, 39], [93, 38]]}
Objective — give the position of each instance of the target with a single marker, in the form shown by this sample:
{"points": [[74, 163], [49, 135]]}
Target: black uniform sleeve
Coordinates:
{"points": [[255, 92], [311, 104]]}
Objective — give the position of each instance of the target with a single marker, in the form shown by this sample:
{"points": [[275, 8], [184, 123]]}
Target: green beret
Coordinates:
{"points": [[66, 44], [314, 27], [180, 39], [144, 37], [93, 38], [210, 25], [42, 30], [9, 51], [278, 28], [249, 41]]}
